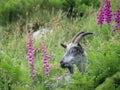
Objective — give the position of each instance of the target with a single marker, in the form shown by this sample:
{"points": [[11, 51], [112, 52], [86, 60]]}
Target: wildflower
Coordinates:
{"points": [[117, 19], [30, 55], [108, 11], [46, 58], [114, 30], [101, 15]]}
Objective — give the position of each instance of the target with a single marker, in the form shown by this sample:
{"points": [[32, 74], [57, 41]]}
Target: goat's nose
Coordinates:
{"points": [[61, 62]]}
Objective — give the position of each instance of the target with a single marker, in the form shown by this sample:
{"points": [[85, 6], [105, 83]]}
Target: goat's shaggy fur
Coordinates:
{"points": [[75, 54]]}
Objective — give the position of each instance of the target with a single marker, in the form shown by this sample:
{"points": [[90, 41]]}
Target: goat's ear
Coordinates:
{"points": [[63, 45], [79, 45]]}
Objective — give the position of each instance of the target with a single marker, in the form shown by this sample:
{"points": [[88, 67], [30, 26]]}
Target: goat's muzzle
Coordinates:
{"points": [[66, 65]]}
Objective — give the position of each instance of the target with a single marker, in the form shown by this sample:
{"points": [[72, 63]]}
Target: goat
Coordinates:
{"points": [[37, 32], [75, 54]]}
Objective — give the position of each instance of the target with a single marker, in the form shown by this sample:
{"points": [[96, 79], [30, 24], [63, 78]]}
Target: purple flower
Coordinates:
{"points": [[101, 15], [117, 19], [33, 73], [47, 56], [108, 11], [45, 60], [105, 13], [30, 55], [114, 30]]}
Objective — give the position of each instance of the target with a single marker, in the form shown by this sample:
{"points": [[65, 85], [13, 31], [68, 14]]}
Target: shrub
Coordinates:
{"points": [[78, 7]]}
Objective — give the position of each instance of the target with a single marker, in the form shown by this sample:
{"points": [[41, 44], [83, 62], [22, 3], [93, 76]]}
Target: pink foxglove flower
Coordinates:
{"points": [[117, 19], [45, 61], [114, 30], [101, 15], [108, 11], [30, 55], [46, 58], [105, 13]]}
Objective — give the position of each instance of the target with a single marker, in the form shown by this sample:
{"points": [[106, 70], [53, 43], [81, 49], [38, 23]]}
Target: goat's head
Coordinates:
{"points": [[75, 54]]}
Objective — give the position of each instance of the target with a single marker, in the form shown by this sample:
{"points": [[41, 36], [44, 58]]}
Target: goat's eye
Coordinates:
{"points": [[73, 50], [76, 50]]}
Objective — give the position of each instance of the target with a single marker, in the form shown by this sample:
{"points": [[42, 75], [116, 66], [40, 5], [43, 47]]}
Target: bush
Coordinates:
{"points": [[10, 73], [78, 7], [14, 10], [111, 83]]}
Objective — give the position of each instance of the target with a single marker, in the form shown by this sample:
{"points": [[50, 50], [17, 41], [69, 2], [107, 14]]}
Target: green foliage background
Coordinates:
{"points": [[103, 48]]}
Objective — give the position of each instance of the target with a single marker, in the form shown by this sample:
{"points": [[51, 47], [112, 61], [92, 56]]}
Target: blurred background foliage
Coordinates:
{"points": [[12, 10]]}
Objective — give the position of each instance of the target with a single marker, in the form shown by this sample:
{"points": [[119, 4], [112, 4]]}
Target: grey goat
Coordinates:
{"points": [[75, 54]]}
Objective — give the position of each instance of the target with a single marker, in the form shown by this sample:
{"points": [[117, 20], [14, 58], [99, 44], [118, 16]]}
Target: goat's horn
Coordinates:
{"points": [[77, 40], [74, 38]]}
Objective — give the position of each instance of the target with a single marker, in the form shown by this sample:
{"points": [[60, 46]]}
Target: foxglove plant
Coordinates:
{"points": [[108, 11], [101, 15], [117, 19], [105, 13], [46, 58], [45, 61], [30, 55]]}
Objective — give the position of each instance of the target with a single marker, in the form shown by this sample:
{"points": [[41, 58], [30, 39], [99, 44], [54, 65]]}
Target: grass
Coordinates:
{"points": [[102, 52]]}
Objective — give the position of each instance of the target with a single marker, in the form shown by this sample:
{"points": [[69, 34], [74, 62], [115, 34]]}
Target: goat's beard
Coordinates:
{"points": [[70, 68]]}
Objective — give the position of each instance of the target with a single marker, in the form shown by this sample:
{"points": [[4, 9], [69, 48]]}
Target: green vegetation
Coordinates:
{"points": [[103, 48]]}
